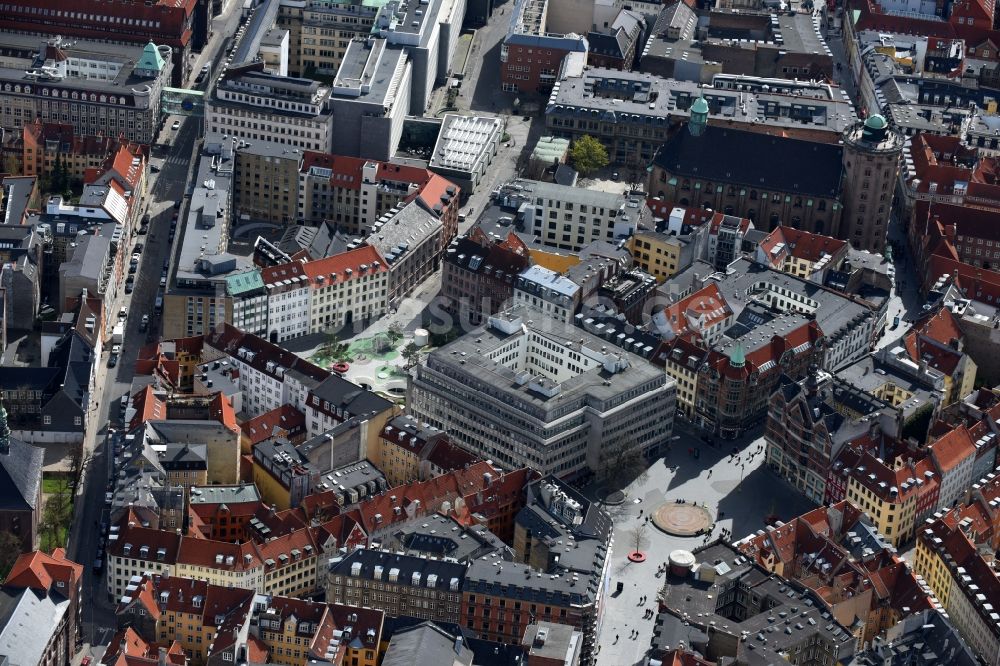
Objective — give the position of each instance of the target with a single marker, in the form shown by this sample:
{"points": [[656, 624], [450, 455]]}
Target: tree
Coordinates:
{"points": [[394, 333], [56, 515], [10, 548], [535, 168], [588, 155], [637, 537], [620, 463], [411, 354], [78, 462]]}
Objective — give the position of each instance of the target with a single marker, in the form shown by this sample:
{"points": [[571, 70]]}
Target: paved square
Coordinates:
{"points": [[712, 481]]}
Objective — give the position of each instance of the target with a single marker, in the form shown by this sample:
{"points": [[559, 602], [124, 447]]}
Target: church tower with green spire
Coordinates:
{"points": [[699, 117]]}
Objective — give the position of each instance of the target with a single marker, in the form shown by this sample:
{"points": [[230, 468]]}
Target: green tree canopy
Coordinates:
{"points": [[588, 155], [10, 548]]}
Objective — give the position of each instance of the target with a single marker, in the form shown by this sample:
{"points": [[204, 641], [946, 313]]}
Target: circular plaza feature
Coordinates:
{"points": [[682, 520]]}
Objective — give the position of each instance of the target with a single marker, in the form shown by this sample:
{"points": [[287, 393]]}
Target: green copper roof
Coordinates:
{"points": [[699, 106], [151, 59], [241, 283], [737, 356], [876, 122]]}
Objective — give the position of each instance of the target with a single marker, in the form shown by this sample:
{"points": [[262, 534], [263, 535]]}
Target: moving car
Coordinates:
{"points": [[176, 126], [144, 324]]}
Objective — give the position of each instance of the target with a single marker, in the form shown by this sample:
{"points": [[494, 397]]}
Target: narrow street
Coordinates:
{"points": [[173, 156]]}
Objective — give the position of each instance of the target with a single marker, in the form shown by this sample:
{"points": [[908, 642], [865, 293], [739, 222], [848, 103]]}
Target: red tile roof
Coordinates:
{"points": [[127, 648], [447, 456], [147, 406], [257, 651], [152, 361], [953, 448], [346, 170], [380, 512], [131, 533], [205, 553], [696, 313], [436, 192], [221, 409], [274, 277], [810, 247], [284, 421], [38, 571], [345, 266]]}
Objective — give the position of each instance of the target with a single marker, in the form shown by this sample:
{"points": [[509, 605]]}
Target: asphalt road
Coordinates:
{"points": [[173, 156]]}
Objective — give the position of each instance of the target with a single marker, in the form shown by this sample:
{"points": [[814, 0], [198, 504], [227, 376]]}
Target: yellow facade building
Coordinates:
{"points": [[657, 253]]}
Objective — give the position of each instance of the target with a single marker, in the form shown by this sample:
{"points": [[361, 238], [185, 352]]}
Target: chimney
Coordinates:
{"points": [[458, 644], [161, 659]]}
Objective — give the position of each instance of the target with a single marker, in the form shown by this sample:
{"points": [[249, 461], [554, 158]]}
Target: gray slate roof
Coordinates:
{"points": [[426, 643], [20, 477], [748, 158], [28, 618]]}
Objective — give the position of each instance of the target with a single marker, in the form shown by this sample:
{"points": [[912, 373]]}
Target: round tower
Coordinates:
{"points": [[871, 162]]}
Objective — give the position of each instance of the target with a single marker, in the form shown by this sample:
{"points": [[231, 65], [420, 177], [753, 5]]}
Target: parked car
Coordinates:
{"points": [[113, 359], [123, 313], [138, 248]]}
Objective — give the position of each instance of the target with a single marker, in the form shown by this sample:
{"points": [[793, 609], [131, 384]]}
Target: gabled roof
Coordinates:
{"points": [[38, 570], [707, 307], [809, 168], [232, 340], [952, 449], [20, 476], [809, 246], [344, 267], [284, 421]]}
